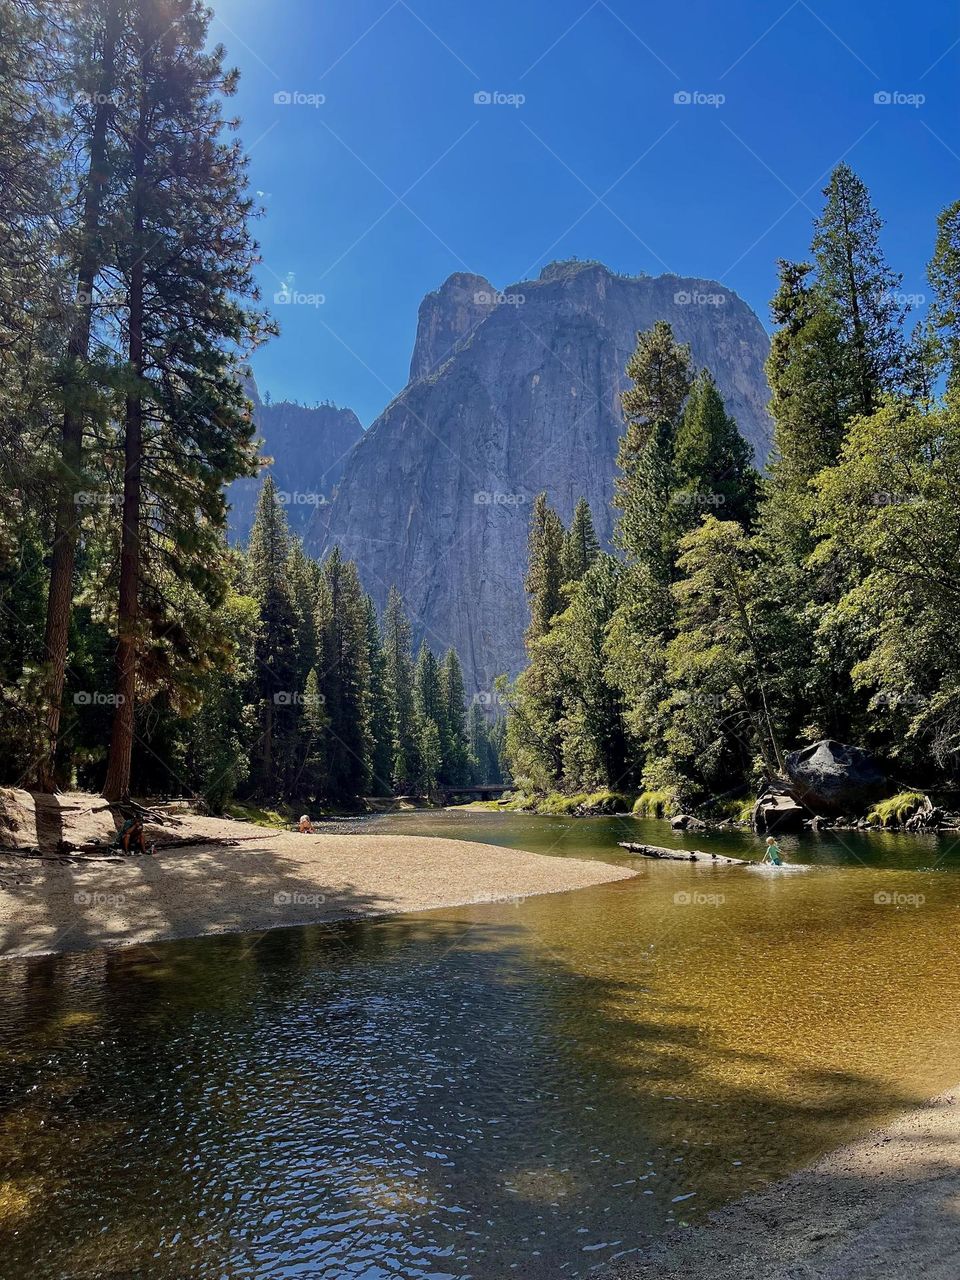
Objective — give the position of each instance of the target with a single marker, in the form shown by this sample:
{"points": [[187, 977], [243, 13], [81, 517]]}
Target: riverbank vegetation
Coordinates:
{"points": [[742, 616], [137, 651]]}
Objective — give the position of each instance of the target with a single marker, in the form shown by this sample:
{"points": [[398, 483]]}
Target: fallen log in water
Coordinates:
{"points": [[682, 855]]}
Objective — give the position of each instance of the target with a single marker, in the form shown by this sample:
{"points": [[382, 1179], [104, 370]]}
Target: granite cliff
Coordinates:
{"points": [[512, 392], [308, 445]]}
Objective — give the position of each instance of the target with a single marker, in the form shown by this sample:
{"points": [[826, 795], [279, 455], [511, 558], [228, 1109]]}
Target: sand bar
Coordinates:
{"points": [[269, 879]]}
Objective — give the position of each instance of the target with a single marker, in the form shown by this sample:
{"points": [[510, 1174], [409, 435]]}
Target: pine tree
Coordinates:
{"points": [[661, 372], [807, 372], [311, 781], [544, 580], [537, 695], [276, 676], [431, 756], [477, 743], [580, 545], [220, 738], [34, 316], [596, 748], [344, 672], [944, 275], [456, 767], [398, 673], [860, 286], [721, 639], [431, 718], [381, 715], [88, 250], [302, 589], [712, 463], [185, 261]]}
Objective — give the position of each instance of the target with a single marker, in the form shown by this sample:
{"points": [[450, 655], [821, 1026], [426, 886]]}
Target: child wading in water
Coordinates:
{"points": [[772, 853]]}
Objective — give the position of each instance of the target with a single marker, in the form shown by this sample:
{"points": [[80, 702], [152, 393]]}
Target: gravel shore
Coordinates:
{"points": [[886, 1207]]}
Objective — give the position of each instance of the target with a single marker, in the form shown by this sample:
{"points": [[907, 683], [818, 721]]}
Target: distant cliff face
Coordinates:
{"points": [[512, 394], [309, 447]]}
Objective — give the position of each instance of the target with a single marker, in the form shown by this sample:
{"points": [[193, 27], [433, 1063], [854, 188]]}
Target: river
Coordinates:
{"points": [[523, 1089]]}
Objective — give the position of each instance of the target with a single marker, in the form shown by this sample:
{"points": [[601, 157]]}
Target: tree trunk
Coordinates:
{"points": [[117, 784], [60, 593]]}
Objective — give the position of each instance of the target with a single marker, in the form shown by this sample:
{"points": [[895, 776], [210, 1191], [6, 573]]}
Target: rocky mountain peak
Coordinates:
{"points": [[523, 395], [446, 316]]}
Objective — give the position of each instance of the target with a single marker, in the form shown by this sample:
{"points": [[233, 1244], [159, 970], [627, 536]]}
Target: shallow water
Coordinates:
{"points": [[516, 1089]]}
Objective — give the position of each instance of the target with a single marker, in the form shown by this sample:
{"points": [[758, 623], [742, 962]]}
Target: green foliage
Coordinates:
{"points": [[127, 306], [544, 581], [581, 804], [890, 511], [712, 463], [653, 804], [398, 681], [748, 615], [896, 810], [861, 289], [456, 764], [944, 275], [580, 546]]}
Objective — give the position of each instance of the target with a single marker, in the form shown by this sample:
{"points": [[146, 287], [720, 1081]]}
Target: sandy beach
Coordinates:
{"points": [[266, 880], [886, 1207]]}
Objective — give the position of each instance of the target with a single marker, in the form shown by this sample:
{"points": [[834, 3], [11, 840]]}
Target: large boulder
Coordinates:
{"points": [[777, 811], [687, 822], [832, 778]]}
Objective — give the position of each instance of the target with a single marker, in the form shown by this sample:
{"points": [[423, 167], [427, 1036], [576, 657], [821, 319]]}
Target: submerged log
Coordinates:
{"points": [[682, 855]]}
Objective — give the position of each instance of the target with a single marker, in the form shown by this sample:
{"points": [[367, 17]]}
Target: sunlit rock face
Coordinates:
{"points": [[516, 391]]}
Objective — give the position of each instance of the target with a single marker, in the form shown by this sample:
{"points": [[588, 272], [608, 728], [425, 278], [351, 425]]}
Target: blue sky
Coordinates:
{"points": [[398, 177]]}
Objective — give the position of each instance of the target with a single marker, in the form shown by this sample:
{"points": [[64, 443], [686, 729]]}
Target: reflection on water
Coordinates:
{"points": [[477, 1092]]}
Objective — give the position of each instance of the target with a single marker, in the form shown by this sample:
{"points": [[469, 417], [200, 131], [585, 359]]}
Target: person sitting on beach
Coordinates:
{"points": [[130, 837], [772, 853], [305, 826]]}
